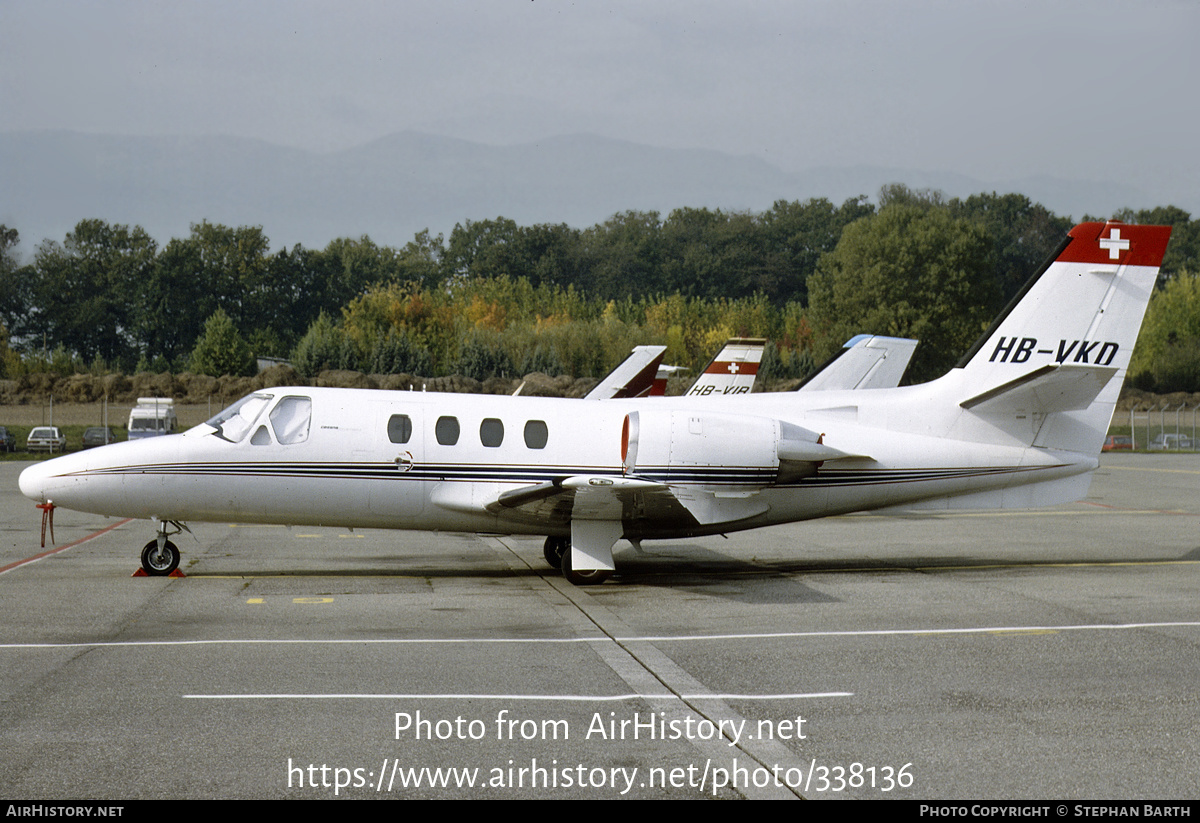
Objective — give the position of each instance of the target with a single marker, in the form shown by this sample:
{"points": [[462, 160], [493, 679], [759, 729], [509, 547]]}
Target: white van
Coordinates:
{"points": [[151, 417]]}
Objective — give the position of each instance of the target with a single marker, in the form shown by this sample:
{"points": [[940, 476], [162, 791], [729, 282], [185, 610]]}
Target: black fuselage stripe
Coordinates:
{"points": [[732, 476]]}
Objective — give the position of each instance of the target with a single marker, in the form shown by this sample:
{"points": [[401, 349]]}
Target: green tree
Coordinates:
{"points": [[1024, 234], [420, 261], [221, 349], [396, 353], [624, 256], [215, 267], [482, 355], [710, 253], [83, 291], [10, 361], [15, 297], [172, 303], [324, 346], [479, 249], [1167, 356], [908, 271], [797, 234]]}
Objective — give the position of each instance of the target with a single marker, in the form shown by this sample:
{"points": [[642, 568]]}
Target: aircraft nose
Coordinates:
{"points": [[33, 482]]}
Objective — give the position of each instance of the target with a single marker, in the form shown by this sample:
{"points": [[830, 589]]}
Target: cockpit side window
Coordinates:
{"points": [[290, 419], [235, 422]]}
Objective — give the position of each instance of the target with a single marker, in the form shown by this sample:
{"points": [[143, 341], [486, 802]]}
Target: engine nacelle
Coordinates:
{"points": [[711, 448]]}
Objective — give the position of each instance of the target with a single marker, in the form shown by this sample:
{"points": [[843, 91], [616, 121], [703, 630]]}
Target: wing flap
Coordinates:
{"points": [[592, 497]]}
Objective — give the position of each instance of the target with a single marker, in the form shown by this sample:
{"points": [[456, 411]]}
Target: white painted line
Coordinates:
{"points": [[666, 638], [915, 632], [560, 698]]}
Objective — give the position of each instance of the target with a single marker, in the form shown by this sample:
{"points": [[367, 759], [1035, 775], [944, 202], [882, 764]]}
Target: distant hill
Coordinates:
{"points": [[396, 186]]}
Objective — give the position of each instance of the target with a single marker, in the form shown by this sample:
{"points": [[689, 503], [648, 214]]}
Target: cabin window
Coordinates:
{"points": [[536, 434], [399, 428], [491, 432], [446, 430], [235, 422], [290, 420]]}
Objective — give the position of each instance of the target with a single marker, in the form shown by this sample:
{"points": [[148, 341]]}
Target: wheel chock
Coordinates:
{"points": [[142, 573]]}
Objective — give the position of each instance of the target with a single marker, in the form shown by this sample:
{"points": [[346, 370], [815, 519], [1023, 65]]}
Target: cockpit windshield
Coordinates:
{"points": [[235, 422]]}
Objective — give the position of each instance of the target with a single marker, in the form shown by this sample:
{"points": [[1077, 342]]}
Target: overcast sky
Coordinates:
{"points": [[1100, 90]]}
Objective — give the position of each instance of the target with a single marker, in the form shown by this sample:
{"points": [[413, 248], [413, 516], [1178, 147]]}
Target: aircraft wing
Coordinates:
{"points": [[864, 362], [633, 378], [693, 471], [593, 497]]}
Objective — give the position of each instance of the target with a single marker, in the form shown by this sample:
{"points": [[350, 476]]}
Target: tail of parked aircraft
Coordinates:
{"points": [[1049, 370], [864, 362], [733, 370]]}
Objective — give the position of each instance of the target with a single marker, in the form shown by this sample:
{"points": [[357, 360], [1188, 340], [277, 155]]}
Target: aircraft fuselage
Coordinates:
{"points": [[459, 452]]}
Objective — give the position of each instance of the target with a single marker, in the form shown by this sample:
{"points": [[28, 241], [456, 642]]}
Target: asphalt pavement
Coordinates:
{"points": [[1009, 655]]}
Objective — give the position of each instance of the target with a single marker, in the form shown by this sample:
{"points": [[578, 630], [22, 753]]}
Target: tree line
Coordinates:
{"points": [[496, 297]]}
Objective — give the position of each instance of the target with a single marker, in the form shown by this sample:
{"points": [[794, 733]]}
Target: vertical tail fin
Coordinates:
{"points": [[634, 377], [864, 362], [1054, 361], [732, 371]]}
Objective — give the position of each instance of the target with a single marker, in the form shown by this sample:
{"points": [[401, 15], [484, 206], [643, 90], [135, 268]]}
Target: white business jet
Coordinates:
{"points": [[1018, 423]]}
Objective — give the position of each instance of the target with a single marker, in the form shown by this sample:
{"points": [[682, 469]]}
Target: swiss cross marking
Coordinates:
{"points": [[733, 368], [1114, 244]]}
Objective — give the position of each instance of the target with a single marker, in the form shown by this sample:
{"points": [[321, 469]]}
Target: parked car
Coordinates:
{"points": [[98, 436], [46, 439], [1117, 442], [8, 440], [1171, 441]]}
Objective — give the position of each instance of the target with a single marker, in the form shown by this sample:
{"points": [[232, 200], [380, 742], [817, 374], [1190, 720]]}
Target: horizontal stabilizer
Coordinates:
{"points": [[1044, 390]]}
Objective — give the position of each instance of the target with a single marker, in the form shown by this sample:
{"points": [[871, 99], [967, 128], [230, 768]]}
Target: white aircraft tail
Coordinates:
{"points": [[1050, 368], [634, 377], [864, 362], [733, 370]]}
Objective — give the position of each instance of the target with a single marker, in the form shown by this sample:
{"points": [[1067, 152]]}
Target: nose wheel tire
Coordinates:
{"points": [[160, 563]]}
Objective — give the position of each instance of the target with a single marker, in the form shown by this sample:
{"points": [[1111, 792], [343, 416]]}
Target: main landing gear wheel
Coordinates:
{"points": [[592, 577], [553, 550], [160, 563]]}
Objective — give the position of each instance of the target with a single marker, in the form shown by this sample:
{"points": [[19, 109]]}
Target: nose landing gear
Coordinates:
{"points": [[160, 556]]}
